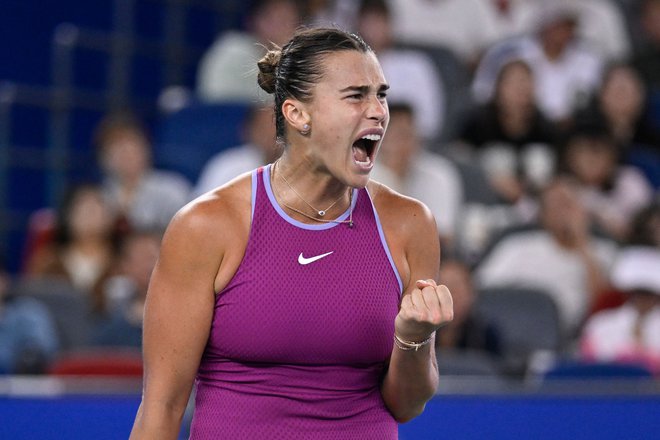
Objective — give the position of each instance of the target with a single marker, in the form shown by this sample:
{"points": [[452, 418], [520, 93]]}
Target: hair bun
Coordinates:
{"points": [[267, 70]]}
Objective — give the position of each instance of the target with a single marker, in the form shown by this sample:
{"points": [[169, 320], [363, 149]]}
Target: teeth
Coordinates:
{"points": [[372, 137]]}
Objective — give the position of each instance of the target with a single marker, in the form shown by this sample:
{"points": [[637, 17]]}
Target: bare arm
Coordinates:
{"points": [[412, 376], [178, 315]]}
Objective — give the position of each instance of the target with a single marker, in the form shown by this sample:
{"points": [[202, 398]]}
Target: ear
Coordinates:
{"points": [[295, 113]]}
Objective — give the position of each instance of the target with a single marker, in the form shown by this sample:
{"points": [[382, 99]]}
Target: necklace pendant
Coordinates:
{"points": [[321, 213]]}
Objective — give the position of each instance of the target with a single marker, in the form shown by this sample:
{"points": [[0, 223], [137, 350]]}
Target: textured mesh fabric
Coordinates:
{"points": [[297, 351]]}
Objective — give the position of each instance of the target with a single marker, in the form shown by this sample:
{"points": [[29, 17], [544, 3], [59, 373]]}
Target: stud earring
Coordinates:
{"points": [[306, 129]]}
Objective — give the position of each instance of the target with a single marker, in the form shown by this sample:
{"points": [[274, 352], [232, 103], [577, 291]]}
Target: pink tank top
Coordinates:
{"points": [[301, 334]]}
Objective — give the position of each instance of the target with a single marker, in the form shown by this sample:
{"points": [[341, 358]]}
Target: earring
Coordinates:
{"points": [[306, 129]]}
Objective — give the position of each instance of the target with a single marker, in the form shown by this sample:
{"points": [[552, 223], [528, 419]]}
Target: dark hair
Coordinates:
{"points": [[504, 69], [292, 71], [591, 129], [63, 233], [642, 232]]}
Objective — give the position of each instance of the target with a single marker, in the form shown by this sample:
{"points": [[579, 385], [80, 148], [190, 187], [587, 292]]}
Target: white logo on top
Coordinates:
{"points": [[303, 261]]}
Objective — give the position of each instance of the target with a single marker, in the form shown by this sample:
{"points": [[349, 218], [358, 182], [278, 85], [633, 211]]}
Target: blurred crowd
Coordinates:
{"points": [[530, 128]]}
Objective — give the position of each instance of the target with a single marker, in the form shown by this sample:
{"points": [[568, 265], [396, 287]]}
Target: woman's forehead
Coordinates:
{"points": [[353, 68]]}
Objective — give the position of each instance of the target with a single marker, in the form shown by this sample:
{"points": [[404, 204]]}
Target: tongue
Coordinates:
{"points": [[360, 154]]}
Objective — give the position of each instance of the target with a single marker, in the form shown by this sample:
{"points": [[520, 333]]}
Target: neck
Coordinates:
{"points": [[295, 182], [309, 196], [514, 119]]}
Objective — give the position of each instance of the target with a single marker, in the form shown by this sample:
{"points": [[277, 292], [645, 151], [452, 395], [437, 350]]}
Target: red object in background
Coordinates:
{"points": [[610, 299], [40, 233], [99, 362]]}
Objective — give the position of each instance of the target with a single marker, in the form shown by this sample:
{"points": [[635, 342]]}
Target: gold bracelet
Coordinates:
{"points": [[408, 345]]}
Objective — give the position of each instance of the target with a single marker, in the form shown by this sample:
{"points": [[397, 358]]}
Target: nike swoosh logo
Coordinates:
{"points": [[303, 261]]}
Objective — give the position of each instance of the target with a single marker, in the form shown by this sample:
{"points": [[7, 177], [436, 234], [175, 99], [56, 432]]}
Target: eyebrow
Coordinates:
{"points": [[364, 89]]}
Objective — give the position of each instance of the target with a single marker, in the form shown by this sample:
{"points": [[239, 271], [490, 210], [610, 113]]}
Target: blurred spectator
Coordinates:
{"points": [[470, 27], [405, 166], [467, 330], [28, 336], [630, 333], [228, 69], [620, 104], [259, 149], [644, 231], [142, 196], [611, 193], [514, 141], [647, 53], [645, 228], [342, 13], [83, 248], [559, 255], [125, 292], [602, 25], [411, 74], [467, 27], [566, 71]]}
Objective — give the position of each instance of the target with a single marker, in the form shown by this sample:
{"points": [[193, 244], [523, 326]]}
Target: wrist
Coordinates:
{"points": [[405, 345]]}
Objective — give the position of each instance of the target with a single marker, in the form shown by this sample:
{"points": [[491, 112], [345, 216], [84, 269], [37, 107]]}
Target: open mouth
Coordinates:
{"points": [[363, 148]]}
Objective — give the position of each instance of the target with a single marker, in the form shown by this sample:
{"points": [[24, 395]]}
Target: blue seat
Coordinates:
{"points": [[71, 310], [185, 140], [647, 160], [466, 362], [527, 321]]}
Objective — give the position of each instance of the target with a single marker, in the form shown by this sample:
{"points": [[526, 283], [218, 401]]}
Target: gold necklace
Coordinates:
{"points": [[321, 213]]}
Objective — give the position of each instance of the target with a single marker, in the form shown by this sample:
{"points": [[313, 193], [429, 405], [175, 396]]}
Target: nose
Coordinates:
{"points": [[377, 109]]}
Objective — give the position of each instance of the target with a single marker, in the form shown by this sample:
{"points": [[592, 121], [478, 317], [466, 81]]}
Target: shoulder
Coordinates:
{"points": [[28, 308], [410, 231], [224, 202], [212, 218], [631, 177], [406, 216]]}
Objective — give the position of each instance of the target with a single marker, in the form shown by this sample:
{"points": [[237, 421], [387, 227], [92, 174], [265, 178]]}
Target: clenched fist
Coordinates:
{"points": [[424, 310]]}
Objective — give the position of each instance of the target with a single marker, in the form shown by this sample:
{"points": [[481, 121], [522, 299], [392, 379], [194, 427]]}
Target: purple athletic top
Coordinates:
{"points": [[301, 333]]}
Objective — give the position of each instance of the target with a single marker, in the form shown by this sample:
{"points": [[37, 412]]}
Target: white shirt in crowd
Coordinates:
{"points": [[534, 259]]}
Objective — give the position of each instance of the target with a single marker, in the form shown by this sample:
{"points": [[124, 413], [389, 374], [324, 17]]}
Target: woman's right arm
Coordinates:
{"points": [[178, 315]]}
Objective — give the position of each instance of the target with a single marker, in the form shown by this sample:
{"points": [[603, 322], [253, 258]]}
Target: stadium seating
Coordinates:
{"points": [[185, 139], [527, 321]]}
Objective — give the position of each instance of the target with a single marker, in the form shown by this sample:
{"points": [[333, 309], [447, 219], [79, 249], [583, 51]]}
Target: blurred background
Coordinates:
{"points": [[530, 128], [68, 63]]}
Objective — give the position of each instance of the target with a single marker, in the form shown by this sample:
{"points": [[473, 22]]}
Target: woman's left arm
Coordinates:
{"points": [[412, 376]]}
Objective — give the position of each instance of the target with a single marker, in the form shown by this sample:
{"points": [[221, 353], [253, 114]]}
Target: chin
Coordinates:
{"points": [[361, 181]]}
